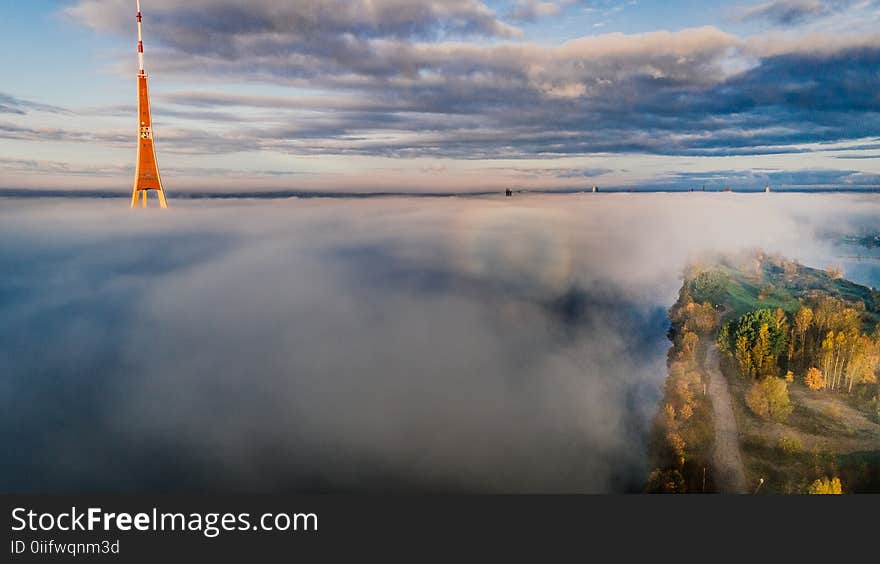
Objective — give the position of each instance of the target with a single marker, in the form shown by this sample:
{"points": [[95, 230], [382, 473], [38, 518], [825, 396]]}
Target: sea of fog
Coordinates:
{"points": [[386, 344]]}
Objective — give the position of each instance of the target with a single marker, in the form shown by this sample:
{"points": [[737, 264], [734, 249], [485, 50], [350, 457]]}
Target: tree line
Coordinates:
{"points": [[683, 433], [823, 342]]}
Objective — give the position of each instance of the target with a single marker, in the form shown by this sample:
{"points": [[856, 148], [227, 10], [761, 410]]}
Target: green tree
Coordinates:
{"points": [[724, 339], [709, 286], [666, 481], [757, 339]]}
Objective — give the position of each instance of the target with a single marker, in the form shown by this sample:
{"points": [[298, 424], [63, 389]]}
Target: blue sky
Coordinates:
{"points": [[445, 94]]}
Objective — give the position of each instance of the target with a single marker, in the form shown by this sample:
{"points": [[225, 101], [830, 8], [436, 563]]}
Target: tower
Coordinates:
{"points": [[146, 175]]}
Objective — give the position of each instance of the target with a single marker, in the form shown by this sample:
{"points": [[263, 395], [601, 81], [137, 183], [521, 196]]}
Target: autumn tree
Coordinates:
{"points": [[826, 486], [803, 320], [690, 342], [849, 358], [702, 318], [862, 356], [744, 356], [768, 398], [814, 379]]}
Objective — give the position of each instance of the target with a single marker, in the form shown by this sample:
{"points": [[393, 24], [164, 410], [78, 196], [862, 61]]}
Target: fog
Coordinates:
{"points": [[387, 344]]}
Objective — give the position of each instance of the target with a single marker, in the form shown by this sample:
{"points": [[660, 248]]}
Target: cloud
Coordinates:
{"points": [[475, 345], [9, 130], [450, 80], [217, 25], [533, 10], [789, 13], [692, 92], [58, 167], [12, 105]]}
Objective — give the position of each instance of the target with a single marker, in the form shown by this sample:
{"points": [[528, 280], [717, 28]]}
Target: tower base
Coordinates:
{"points": [[141, 196]]}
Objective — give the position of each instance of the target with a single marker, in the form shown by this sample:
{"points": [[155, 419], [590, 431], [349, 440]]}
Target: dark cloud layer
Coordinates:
{"points": [[391, 344], [794, 12], [408, 79], [12, 105]]}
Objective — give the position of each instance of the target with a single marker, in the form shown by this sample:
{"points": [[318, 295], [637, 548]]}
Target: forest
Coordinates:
{"points": [[823, 343], [792, 340]]}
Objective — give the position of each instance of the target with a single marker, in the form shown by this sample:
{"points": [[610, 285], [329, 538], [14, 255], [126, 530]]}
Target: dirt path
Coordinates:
{"points": [[730, 475]]}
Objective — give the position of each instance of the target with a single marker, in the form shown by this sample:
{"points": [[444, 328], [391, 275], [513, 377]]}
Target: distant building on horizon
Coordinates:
{"points": [[595, 189], [767, 189]]}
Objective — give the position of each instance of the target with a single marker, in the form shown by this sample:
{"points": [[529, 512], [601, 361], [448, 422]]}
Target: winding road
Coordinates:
{"points": [[730, 476]]}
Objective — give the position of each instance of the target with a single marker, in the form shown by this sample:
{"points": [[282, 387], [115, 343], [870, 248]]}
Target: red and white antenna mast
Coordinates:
{"points": [[140, 40], [146, 175]]}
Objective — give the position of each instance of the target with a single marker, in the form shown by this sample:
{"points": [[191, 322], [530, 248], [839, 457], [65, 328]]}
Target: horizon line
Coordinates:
{"points": [[337, 194]]}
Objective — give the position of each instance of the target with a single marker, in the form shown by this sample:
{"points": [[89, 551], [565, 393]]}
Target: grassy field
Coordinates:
{"points": [[813, 442], [744, 284]]}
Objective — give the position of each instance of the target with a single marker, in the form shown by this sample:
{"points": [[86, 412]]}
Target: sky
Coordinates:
{"points": [[444, 95]]}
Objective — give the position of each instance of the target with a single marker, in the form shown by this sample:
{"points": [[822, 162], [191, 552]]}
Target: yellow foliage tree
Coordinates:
{"points": [[687, 411], [690, 341], [744, 357], [678, 445], [826, 486], [669, 414], [814, 379], [769, 399]]}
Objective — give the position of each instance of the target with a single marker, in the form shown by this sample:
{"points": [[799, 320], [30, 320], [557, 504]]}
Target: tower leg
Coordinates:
{"points": [[144, 204], [162, 202], [135, 195]]}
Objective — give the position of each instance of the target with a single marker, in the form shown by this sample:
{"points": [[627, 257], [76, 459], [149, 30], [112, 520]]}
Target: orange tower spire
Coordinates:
{"points": [[146, 176]]}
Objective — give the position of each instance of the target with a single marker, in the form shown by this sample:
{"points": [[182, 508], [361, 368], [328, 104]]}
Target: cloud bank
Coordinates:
{"points": [[451, 80], [479, 345]]}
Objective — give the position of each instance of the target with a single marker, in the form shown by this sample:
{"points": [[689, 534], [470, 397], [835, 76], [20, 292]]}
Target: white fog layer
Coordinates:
{"points": [[389, 344]]}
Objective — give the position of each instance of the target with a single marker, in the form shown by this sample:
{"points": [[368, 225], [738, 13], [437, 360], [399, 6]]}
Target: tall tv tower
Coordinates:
{"points": [[146, 175]]}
